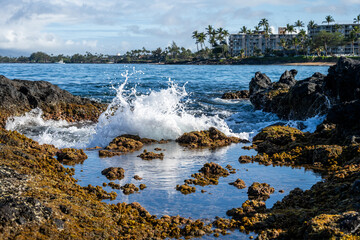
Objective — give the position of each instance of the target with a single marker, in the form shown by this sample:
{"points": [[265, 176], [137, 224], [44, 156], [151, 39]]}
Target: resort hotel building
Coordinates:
{"points": [[250, 44]]}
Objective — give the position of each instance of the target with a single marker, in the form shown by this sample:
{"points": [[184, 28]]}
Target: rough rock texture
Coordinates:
{"points": [[209, 138], [120, 145], [41, 200], [20, 96], [209, 174], [243, 94], [71, 156], [150, 155], [291, 99], [112, 173], [260, 191], [239, 183]]}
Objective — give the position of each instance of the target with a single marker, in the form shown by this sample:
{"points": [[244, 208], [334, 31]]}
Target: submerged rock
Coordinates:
{"points": [[112, 173], [243, 94], [71, 156], [150, 155], [209, 138]]}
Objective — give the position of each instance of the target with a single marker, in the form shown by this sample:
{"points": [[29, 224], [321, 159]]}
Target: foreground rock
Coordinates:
{"points": [[330, 209], [243, 94], [316, 95], [71, 156], [54, 102], [39, 199], [210, 138]]}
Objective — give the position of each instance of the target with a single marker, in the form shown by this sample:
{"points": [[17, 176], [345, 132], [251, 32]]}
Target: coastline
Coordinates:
{"points": [[309, 64]]}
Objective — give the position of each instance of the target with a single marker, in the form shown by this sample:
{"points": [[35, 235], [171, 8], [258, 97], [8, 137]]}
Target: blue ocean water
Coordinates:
{"points": [[163, 101]]}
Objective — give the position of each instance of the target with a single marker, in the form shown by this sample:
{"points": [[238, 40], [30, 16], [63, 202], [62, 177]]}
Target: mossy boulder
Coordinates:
{"points": [[113, 173], [260, 191], [274, 139], [185, 188], [71, 156], [239, 183], [243, 94], [210, 138], [150, 155], [121, 145]]}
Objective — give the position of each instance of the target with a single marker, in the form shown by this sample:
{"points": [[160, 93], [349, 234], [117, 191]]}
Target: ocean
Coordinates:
{"points": [[163, 102]]}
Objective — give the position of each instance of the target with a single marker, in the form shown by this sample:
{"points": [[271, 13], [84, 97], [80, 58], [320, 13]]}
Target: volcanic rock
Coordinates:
{"points": [[112, 173]]}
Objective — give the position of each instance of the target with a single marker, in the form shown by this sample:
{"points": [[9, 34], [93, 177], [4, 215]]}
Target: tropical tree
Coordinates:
{"points": [[299, 24], [196, 37], [329, 19], [357, 19], [201, 39], [243, 29], [327, 39], [312, 24], [283, 44], [256, 29], [353, 37], [289, 28], [264, 23]]}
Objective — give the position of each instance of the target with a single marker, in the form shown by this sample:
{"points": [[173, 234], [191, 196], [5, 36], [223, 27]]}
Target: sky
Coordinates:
{"points": [[117, 26]]}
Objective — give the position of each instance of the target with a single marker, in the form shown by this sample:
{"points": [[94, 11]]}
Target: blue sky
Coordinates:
{"points": [[116, 26]]}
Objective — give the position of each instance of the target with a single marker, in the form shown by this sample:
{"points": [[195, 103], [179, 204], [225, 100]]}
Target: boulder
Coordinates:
{"points": [[71, 156], [20, 96], [113, 173], [209, 138], [260, 191], [239, 183]]}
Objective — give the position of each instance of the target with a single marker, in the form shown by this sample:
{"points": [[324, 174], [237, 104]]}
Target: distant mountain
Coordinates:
{"points": [[13, 53]]}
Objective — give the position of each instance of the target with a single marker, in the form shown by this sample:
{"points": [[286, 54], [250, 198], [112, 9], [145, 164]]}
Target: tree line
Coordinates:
{"points": [[212, 44]]}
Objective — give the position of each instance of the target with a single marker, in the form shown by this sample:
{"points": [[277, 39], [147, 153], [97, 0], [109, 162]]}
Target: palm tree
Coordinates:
{"points": [[263, 23], [243, 30], [289, 28], [201, 39], [312, 24], [256, 29], [329, 19], [353, 37], [299, 24], [357, 19], [296, 42], [196, 37], [283, 43]]}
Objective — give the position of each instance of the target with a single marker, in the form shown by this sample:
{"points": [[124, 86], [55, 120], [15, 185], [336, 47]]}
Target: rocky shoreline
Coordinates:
{"points": [[40, 199]]}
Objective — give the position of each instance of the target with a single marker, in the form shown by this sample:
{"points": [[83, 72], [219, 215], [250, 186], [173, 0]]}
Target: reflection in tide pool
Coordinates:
{"points": [[161, 177]]}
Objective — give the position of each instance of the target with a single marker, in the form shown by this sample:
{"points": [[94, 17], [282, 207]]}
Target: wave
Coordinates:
{"points": [[159, 115]]}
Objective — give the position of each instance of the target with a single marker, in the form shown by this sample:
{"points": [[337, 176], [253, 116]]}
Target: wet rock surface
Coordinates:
{"points": [[151, 155], [121, 145], [239, 183], [260, 191], [243, 94], [71, 156], [316, 95], [210, 138], [209, 174], [56, 103], [41, 200], [113, 173]]}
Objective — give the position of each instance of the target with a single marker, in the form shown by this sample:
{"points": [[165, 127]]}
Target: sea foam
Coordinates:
{"points": [[159, 115]]}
